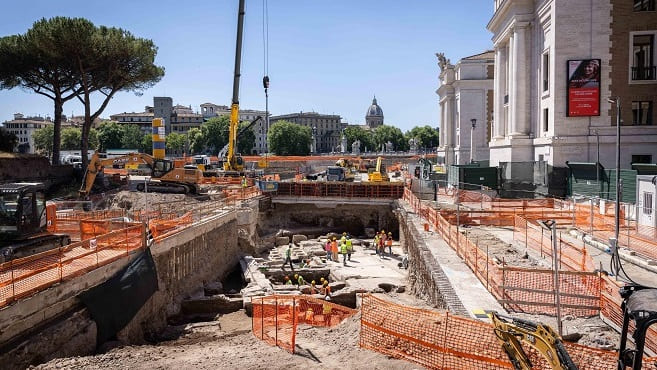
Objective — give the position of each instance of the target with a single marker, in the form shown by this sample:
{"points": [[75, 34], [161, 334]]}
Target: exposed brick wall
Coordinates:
{"points": [[624, 21]]}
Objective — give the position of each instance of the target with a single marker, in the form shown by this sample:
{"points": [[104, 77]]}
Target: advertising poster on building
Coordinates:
{"points": [[583, 87]]}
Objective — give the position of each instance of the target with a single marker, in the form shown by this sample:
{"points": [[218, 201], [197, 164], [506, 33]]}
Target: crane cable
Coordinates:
{"points": [[265, 37]]}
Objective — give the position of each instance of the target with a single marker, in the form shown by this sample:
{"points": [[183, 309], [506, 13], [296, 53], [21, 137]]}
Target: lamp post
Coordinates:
{"points": [[472, 141], [614, 242]]}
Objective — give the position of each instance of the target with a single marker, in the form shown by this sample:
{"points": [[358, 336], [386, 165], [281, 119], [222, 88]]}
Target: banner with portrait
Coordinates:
{"points": [[583, 88]]}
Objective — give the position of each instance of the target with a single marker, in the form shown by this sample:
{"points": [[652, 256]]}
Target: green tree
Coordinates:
{"points": [[366, 138], [175, 142], [384, 134], [70, 138], [109, 135], [93, 139], [43, 139], [287, 138], [196, 140], [39, 61], [246, 139], [132, 68], [427, 136], [131, 136], [147, 144], [215, 133], [8, 141]]}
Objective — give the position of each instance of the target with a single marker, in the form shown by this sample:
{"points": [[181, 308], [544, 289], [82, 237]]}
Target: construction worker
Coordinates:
{"points": [[327, 248], [389, 243], [313, 288], [343, 251], [350, 248], [326, 311], [382, 240], [300, 280], [344, 237], [245, 183], [334, 250], [326, 289], [288, 257], [376, 243], [287, 280]]}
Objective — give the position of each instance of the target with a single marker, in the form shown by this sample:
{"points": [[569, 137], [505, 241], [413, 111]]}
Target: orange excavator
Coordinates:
{"points": [[165, 178]]}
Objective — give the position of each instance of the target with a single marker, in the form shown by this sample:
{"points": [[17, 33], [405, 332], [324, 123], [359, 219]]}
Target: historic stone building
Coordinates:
{"points": [[465, 94], [374, 115], [326, 127], [557, 62], [177, 119], [24, 129]]}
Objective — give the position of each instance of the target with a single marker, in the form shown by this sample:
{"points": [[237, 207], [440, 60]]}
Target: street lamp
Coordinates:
{"points": [[614, 242], [472, 148]]}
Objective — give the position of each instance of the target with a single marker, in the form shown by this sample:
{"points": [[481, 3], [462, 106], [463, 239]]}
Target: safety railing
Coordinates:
{"points": [[23, 277], [340, 189], [441, 340], [275, 318], [583, 292]]}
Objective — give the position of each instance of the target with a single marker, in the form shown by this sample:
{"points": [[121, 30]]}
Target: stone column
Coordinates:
{"points": [[442, 125], [511, 83], [498, 92], [449, 124], [521, 89]]}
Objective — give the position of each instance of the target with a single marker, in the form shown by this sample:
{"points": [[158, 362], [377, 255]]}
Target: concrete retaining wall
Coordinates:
{"points": [[54, 323], [426, 278]]}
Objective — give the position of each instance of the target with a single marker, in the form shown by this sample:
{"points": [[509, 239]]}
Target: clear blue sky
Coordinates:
{"points": [[326, 56]]}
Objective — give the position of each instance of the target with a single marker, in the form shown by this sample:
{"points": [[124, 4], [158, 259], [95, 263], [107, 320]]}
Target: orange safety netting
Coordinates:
{"points": [[25, 276], [582, 291], [341, 189], [275, 318], [440, 340]]}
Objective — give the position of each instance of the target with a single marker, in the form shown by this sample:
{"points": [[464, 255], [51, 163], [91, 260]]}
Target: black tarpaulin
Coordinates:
{"points": [[115, 302]]}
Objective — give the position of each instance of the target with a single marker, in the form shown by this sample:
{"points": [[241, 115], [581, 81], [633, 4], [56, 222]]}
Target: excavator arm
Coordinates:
{"points": [[96, 164], [512, 332]]}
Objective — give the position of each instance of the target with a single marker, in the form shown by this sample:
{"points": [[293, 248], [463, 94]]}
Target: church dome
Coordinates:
{"points": [[374, 109]]}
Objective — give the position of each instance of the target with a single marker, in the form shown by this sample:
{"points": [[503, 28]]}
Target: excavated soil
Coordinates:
{"points": [[228, 343], [501, 250]]}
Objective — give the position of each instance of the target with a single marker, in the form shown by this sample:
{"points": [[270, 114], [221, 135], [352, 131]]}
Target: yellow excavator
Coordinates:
{"points": [[512, 332], [377, 174], [164, 177]]}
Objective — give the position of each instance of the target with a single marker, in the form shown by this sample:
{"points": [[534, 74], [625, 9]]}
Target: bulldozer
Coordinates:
{"points": [[24, 219]]}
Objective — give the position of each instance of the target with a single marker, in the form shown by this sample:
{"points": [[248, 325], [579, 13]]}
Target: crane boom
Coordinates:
{"points": [[233, 161]]}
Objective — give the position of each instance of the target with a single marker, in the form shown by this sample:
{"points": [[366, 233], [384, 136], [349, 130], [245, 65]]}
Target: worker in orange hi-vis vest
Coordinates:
{"points": [[334, 249], [389, 243]]}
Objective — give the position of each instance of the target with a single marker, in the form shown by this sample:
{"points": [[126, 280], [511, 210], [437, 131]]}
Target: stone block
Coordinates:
{"points": [[213, 288], [282, 240], [296, 238], [215, 304]]}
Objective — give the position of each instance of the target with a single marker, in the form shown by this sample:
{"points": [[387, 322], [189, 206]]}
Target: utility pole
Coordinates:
{"points": [[614, 242], [551, 225]]}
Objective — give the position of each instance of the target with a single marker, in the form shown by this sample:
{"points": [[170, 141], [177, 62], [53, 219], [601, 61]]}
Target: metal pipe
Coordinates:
{"points": [[555, 265]]}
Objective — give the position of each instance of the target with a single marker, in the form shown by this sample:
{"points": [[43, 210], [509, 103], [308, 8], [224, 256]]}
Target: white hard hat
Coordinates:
{"points": [[328, 298]]}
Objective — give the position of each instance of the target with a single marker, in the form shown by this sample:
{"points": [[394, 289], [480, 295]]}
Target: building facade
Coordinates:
{"points": [[557, 64], [327, 128], [24, 129], [209, 110], [177, 119], [374, 115], [465, 94]]}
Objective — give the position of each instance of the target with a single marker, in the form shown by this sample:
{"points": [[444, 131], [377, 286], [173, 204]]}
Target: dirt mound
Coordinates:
{"points": [[227, 343]]}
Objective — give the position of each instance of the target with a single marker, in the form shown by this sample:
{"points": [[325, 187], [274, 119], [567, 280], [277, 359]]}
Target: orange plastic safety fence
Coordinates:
{"points": [[440, 340], [340, 189], [275, 318], [25, 276]]}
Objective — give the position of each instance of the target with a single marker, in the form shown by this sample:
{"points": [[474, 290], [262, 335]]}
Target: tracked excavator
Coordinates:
{"points": [[639, 308], [24, 219], [165, 178], [378, 174]]}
